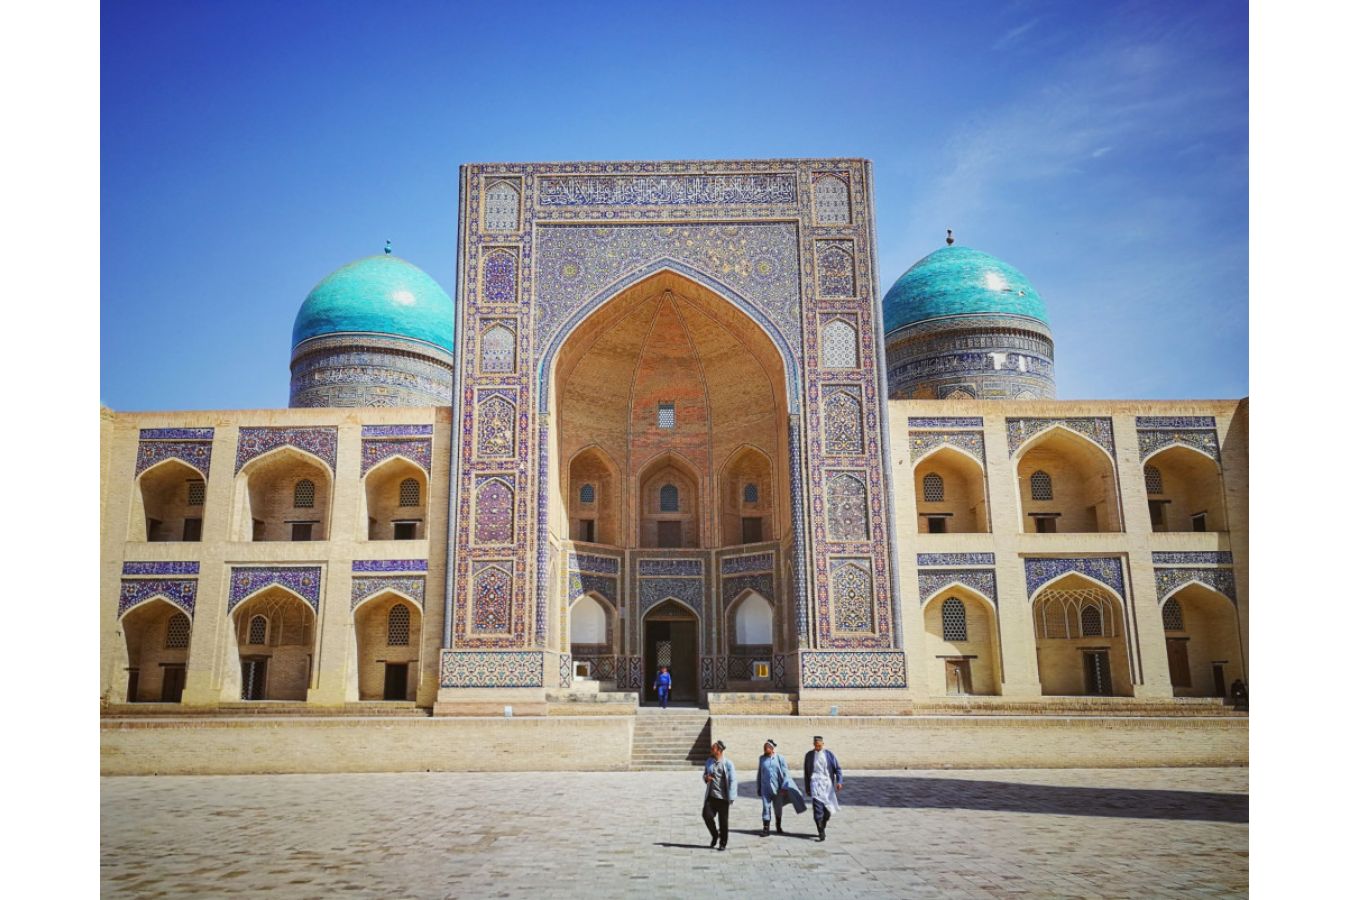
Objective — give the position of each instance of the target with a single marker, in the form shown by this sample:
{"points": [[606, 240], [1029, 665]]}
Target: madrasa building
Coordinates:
{"points": [[667, 415]]}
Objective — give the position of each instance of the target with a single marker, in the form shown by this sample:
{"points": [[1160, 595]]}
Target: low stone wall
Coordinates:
{"points": [[272, 746], [976, 742]]}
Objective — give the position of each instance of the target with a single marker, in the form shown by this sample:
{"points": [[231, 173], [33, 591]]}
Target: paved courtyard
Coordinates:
{"points": [[1018, 833]]}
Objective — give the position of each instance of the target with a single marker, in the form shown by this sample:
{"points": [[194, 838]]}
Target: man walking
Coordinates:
{"points": [[719, 776], [776, 786], [824, 780], [662, 685]]}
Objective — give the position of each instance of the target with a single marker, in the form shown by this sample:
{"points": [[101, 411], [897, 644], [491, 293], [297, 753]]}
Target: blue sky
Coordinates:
{"points": [[250, 148]]}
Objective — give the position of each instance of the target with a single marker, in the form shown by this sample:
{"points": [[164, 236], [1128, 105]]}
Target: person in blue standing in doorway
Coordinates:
{"points": [[662, 685]]}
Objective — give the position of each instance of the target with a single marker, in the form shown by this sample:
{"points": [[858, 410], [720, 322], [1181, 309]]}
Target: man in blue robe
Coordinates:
{"points": [[776, 786], [824, 781], [662, 685]]}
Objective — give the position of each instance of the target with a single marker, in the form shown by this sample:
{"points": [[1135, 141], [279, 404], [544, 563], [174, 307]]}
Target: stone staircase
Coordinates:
{"points": [[670, 739]]}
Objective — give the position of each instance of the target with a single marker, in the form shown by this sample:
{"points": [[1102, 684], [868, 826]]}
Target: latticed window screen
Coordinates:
{"points": [[1041, 488], [196, 493], [934, 491], [663, 653], [499, 350], [180, 629], [1092, 621], [588, 493], [841, 345], [257, 630], [670, 498], [304, 494], [1153, 480], [409, 492], [953, 620], [502, 208], [751, 493], [1171, 616], [399, 620], [665, 415]]}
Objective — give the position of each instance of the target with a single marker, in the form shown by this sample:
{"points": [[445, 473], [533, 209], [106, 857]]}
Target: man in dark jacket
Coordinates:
{"points": [[824, 781]]}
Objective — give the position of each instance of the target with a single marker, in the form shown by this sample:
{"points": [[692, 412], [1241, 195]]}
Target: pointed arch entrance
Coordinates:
{"points": [[670, 638]]}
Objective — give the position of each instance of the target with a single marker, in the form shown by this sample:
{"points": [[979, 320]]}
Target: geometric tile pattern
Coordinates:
{"points": [[761, 584], [160, 568], [496, 428], [851, 596], [248, 580], [181, 592], [759, 562], [416, 450], [564, 670], [254, 442], [389, 565], [670, 567], [688, 591], [1170, 580], [390, 431], [843, 421], [981, 581], [189, 445], [1096, 429], [492, 668], [946, 422], [853, 669], [494, 522], [834, 268], [491, 600], [580, 583], [1207, 442], [1192, 558], [1169, 422], [970, 441], [1106, 569], [410, 586], [847, 497], [608, 565], [955, 559]]}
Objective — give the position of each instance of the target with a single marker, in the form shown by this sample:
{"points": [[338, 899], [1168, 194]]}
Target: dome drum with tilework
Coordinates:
{"points": [[964, 324]]}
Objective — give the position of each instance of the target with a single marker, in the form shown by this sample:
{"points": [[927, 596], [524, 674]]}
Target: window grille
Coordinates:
{"points": [[752, 493], [399, 621], [176, 638], [1153, 480], [502, 208], [257, 630], [670, 498], [1092, 622], [953, 620], [196, 493], [1041, 488], [498, 350], [304, 494], [934, 491], [1171, 616], [409, 492], [665, 415], [588, 493], [841, 345]]}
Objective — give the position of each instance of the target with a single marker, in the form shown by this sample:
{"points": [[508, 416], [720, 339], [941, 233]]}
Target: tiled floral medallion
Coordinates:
{"points": [[1171, 580], [1096, 429], [414, 587], [189, 445], [254, 442], [982, 581], [492, 595], [843, 421], [851, 596], [1106, 569], [181, 592], [921, 442], [492, 668], [1158, 432], [494, 512], [245, 581], [852, 669]]}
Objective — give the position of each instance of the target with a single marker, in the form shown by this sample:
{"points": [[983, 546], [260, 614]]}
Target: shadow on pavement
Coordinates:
{"points": [[900, 792]]}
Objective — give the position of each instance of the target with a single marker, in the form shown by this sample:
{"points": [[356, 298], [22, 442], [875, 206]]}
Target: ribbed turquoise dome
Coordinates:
{"points": [[382, 294], [958, 281]]}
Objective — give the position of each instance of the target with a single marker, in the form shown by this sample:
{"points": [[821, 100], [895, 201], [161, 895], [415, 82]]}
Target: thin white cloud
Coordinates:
{"points": [[1013, 35]]}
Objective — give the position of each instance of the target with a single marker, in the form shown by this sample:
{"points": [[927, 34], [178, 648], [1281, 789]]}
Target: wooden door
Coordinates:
{"points": [[254, 678], [174, 679], [396, 681], [958, 676], [1219, 689], [1178, 663], [1097, 673]]}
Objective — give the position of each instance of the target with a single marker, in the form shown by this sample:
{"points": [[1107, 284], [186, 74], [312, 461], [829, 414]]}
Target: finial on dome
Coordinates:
{"points": [[950, 240], [388, 246]]}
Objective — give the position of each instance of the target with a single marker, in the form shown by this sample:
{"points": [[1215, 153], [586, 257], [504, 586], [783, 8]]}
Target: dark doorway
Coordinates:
{"points": [[1219, 690], [254, 680], [1097, 673], [133, 685], [1178, 662], [396, 681], [174, 679], [670, 638]]}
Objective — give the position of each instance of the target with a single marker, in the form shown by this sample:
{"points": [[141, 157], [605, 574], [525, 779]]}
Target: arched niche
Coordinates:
{"points": [[388, 631], [157, 635], [1081, 639], [274, 632], [394, 501], [593, 497], [1082, 480], [1185, 491], [169, 503], [669, 497], [1204, 654], [746, 505], [283, 495], [961, 638], [950, 494]]}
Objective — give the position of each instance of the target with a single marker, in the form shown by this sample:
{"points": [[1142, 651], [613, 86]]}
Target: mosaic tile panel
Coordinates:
{"points": [[1167, 423], [564, 670], [1106, 569], [579, 583], [160, 568], [1207, 442], [1189, 558], [492, 668], [500, 277], [376, 451], [414, 586], [492, 596], [971, 442], [177, 434], [670, 567], [586, 562], [496, 429], [603, 668], [757, 562], [853, 669], [831, 194], [494, 512], [245, 581], [732, 587], [688, 591], [189, 445], [835, 276], [254, 442], [780, 671], [1096, 429], [396, 431], [1171, 580], [955, 560], [181, 592], [946, 421], [629, 673], [980, 580], [667, 190], [389, 565], [851, 596], [846, 500], [843, 421]]}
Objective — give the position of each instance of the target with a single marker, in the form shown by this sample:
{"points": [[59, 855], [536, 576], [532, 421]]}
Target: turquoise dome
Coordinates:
{"points": [[958, 281], [382, 294]]}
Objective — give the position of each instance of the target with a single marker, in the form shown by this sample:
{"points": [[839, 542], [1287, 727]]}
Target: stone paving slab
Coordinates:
{"points": [[913, 833]]}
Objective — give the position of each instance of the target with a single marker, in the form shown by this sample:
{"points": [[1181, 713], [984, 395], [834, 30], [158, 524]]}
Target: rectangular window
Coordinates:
{"points": [[259, 529], [669, 534], [665, 415], [937, 524], [302, 531], [1044, 524], [405, 531], [752, 529], [1157, 514], [192, 529], [1198, 522], [196, 492]]}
